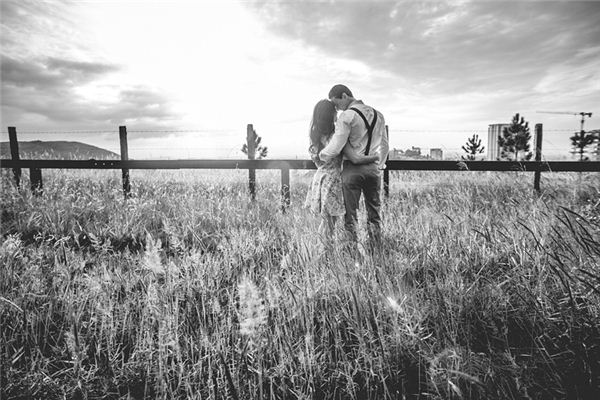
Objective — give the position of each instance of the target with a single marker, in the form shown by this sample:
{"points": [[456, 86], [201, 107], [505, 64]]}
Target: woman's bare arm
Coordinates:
{"points": [[314, 156], [356, 158]]}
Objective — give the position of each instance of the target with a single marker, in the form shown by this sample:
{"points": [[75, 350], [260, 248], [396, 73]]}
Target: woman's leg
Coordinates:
{"points": [[327, 226], [327, 235]]}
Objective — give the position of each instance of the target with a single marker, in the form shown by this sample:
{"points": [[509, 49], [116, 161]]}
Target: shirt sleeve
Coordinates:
{"points": [[385, 145], [339, 138]]}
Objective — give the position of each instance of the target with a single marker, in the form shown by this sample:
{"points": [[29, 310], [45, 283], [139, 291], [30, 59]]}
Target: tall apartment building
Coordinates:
{"points": [[494, 131], [596, 145]]}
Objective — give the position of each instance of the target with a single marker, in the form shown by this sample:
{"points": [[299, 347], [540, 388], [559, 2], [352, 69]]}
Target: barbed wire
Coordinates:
{"points": [[128, 131], [181, 130], [464, 130], [240, 130], [57, 132]]}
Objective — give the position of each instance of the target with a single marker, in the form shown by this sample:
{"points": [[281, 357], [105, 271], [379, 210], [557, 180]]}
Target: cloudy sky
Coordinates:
{"points": [[186, 77]]}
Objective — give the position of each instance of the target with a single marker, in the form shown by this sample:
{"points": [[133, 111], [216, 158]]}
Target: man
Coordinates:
{"points": [[352, 127]]}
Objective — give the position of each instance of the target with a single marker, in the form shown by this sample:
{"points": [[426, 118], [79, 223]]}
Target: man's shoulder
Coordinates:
{"points": [[359, 105], [347, 115], [364, 108], [350, 113]]}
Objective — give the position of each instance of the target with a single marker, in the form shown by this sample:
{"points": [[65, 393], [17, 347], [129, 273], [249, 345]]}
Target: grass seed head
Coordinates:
{"points": [[151, 261], [252, 310], [11, 246]]}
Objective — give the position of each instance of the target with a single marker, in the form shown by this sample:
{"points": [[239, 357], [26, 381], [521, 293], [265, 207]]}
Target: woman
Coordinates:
{"points": [[325, 194]]}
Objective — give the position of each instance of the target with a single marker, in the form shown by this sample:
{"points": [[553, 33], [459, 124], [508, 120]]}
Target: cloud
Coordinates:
{"points": [[583, 79], [60, 81], [443, 46], [52, 91], [84, 70], [44, 26], [53, 73], [22, 74], [141, 105], [182, 65]]}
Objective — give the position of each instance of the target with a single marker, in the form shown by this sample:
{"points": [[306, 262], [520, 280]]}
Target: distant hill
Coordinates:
{"points": [[59, 150]]}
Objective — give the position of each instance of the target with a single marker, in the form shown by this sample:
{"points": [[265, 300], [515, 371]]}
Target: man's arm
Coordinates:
{"points": [[339, 138], [351, 155]]}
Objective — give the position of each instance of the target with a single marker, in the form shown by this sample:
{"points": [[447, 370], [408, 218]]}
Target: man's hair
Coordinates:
{"points": [[337, 91]]}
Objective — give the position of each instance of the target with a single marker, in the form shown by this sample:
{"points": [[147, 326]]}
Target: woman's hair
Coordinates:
{"points": [[322, 124]]}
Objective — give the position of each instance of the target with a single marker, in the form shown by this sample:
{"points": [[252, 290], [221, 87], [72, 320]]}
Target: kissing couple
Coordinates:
{"points": [[350, 151]]}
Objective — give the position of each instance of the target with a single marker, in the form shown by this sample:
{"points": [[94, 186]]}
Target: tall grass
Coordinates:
{"points": [[482, 289]]}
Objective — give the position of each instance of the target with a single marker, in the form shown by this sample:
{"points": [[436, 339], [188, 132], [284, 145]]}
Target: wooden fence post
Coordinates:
{"points": [[124, 157], [35, 178], [285, 189], [386, 182], [386, 172], [14, 152], [538, 155], [250, 142]]}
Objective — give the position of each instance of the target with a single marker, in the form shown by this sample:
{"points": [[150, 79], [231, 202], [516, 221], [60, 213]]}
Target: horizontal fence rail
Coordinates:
{"points": [[252, 164], [392, 165], [533, 166], [35, 167]]}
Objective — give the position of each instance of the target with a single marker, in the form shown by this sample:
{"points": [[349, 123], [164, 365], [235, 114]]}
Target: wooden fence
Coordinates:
{"points": [[36, 166]]}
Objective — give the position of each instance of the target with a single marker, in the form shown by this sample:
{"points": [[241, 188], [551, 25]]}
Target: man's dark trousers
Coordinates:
{"points": [[365, 179]]}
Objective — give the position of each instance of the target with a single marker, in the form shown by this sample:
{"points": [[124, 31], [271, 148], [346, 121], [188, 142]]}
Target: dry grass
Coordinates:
{"points": [[482, 290]]}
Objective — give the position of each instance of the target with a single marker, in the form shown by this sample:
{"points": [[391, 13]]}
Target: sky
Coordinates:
{"points": [[187, 77]]}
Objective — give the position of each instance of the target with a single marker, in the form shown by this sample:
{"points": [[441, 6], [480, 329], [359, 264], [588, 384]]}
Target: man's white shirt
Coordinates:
{"points": [[350, 128]]}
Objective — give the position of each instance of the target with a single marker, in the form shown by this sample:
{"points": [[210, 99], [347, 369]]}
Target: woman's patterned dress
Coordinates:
{"points": [[325, 195]]}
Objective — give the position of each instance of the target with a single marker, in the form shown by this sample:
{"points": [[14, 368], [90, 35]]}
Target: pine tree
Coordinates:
{"points": [[473, 147], [580, 141], [515, 139], [260, 151]]}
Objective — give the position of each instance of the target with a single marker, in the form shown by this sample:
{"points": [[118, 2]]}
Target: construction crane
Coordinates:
{"points": [[594, 133], [583, 114]]}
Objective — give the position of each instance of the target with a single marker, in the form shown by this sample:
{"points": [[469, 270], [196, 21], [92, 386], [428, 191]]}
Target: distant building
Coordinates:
{"points": [[436, 154], [395, 154], [414, 152], [595, 146], [494, 132]]}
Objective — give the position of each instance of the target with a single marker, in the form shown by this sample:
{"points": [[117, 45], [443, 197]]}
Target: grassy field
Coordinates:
{"points": [[482, 290]]}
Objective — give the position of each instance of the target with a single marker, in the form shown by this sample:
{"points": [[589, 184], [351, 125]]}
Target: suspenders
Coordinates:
{"points": [[369, 127]]}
